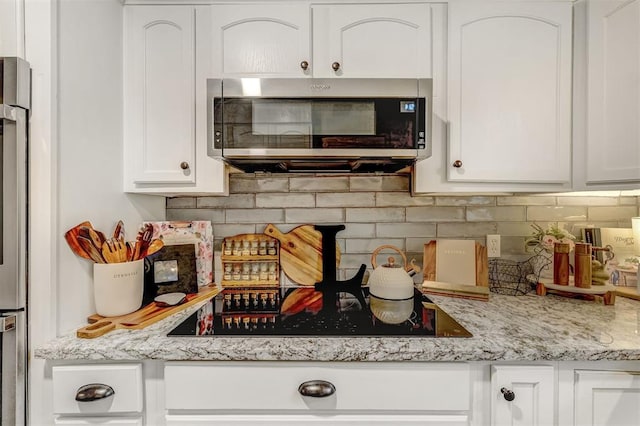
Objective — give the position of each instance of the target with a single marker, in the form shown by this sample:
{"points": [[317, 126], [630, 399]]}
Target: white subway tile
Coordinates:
{"points": [[319, 184], [503, 214], [376, 214], [284, 200], [181, 203], [405, 230], [317, 215], [348, 199], [254, 215], [555, 213], [435, 214]]}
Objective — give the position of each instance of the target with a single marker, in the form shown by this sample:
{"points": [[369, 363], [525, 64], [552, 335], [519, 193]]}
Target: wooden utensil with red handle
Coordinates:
{"points": [[71, 236]]}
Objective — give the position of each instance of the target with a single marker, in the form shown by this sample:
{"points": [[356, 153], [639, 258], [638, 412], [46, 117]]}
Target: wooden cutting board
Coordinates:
{"points": [[152, 313], [479, 264], [301, 253]]}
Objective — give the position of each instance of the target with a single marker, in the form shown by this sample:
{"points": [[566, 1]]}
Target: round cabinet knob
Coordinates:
{"points": [[508, 394], [184, 165], [335, 66], [457, 164], [94, 392], [304, 65], [317, 388]]}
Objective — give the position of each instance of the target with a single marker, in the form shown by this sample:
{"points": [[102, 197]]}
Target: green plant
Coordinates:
{"points": [[544, 239]]}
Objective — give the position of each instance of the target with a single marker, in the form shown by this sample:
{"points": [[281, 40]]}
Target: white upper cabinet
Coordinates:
{"points": [[348, 40], [373, 40], [12, 28], [164, 143], [510, 92], [610, 127], [261, 40], [506, 122]]}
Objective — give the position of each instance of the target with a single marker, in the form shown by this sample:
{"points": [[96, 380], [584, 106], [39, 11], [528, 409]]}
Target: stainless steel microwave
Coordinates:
{"points": [[335, 125]]}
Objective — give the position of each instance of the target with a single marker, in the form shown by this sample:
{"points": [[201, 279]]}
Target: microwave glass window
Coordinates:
{"points": [[273, 117], [279, 123], [344, 118]]}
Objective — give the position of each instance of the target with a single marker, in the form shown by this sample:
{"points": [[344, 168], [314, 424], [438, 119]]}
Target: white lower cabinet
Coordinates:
{"points": [[98, 394], [522, 395], [100, 421], [256, 393], [607, 398], [317, 420], [261, 393]]}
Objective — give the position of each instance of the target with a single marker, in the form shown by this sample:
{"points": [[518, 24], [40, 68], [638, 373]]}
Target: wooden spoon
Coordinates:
{"points": [[71, 237], [90, 249], [114, 251], [118, 232], [153, 247]]}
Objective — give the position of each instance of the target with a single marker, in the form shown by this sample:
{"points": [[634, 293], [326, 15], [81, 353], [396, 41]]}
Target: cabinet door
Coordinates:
{"points": [[372, 40], [533, 395], [159, 95], [613, 118], [607, 398], [99, 421], [509, 92], [261, 40]]}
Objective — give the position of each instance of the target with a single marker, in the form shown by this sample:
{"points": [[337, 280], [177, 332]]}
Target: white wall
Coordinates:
{"points": [[75, 48], [90, 144]]}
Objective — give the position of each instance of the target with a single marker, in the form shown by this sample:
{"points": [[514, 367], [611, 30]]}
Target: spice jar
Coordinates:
{"points": [[561, 263], [582, 275], [262, 247], [228, 247]]}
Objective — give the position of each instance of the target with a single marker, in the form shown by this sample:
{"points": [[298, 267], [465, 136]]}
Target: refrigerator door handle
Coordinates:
{"points": [[7, 323], [8, 113]]}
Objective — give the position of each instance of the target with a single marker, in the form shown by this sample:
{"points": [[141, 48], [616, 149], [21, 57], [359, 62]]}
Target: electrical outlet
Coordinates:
{"points": [[493, 245]]}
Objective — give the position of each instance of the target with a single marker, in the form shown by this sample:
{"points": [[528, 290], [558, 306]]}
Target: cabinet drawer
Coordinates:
{"points": [[124, 379], [99, 421], [358, 386]]}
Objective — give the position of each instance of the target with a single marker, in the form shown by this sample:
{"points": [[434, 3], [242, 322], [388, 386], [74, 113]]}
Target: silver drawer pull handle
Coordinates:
{"points": [[317, 388], [94, 392]]}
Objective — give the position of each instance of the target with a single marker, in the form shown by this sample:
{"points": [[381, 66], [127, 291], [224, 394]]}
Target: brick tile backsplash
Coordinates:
{"points": [[378, 209], [356, 199]]}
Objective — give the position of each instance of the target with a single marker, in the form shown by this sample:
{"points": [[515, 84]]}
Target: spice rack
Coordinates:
{"points": [[250, 260]]}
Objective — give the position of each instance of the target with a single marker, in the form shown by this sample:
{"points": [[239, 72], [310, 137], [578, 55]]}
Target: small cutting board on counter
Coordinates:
{"points": [[301, 253], [456, 268], [145, 316]]}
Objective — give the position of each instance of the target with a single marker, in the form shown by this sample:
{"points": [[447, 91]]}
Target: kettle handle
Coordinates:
{"points": [[387, 246]]}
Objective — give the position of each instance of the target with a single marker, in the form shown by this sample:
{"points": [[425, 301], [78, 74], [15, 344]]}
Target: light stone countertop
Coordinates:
{"points": [[522, 328]]}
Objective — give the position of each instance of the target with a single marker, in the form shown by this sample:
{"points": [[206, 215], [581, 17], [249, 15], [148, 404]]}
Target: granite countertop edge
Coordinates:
{"points": [[507, 328]]}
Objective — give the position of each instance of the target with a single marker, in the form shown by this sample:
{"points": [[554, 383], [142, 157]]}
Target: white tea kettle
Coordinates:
{"points": [[390, 280]]}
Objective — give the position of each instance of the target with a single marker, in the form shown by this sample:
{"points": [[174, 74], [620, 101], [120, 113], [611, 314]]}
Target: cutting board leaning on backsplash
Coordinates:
{"points": [[301, 253], [457, 268]]}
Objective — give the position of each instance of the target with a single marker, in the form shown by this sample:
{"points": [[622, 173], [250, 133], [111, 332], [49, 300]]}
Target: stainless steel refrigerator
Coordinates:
{"points": [[15, 83]]}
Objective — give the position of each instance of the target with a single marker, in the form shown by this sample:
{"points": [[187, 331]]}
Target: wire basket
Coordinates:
{"points": [[509, 277]]}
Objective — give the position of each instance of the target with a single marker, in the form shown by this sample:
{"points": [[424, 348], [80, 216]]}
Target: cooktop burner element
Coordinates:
{"points": [[303, 311]]}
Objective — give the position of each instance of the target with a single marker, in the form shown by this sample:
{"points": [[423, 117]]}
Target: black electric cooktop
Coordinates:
{"points": [[304, 311]]}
